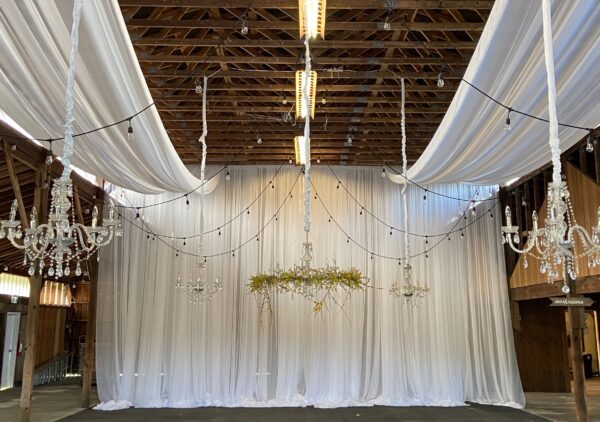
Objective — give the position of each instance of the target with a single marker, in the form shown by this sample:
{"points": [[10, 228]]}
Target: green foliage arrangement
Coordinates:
{"points": [[317, 285]]}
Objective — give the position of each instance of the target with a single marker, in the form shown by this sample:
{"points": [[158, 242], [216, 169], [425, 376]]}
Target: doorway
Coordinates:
{"points": [[9, 354]]}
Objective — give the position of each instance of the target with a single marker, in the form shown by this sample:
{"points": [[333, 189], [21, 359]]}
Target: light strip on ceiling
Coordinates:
{"points": [[300, 150], [301, 106], [311, 17]]}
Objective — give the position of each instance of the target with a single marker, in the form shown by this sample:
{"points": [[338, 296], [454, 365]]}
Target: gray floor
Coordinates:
{"points": [[61, 402], [365, 414]]}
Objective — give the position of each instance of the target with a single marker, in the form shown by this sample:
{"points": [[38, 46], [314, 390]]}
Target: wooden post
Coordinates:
{"points": [[90, 332], [576, 327], [35, 282]]}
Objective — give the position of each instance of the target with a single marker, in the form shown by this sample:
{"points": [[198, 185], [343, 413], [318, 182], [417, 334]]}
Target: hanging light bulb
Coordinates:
{"points": [[49, 157], [387, 24], [349, 140], [318, 161], [258, 139], [440, 81], [129, 131], [227, 176], [589, 147], [13, 146], [244, 29], [383, 172], [323, 101], [198, 87], [507, 123]]}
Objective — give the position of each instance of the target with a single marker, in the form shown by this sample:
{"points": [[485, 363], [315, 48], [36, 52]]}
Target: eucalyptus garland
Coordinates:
{"points": [[317, 285]]}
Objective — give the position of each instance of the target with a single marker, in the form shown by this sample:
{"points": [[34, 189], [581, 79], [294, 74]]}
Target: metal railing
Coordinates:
{"points": [[55, 370]]}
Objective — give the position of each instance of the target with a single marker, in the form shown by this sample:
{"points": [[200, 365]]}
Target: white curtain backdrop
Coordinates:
{"points": [[471, 145], [156, 349], [35, 45]]}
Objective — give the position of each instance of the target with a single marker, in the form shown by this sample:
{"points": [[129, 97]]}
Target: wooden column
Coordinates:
{"points": [[35, 282], [90, 332], [576, 327]]}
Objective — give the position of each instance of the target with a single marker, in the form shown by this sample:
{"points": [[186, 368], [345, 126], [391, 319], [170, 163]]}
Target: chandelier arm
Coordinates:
{"points": [[583, 235]]}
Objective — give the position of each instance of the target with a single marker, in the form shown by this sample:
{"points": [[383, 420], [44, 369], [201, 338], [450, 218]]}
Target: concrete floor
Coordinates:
{"points": [[61, 402], [367, 414], [49, 403]]}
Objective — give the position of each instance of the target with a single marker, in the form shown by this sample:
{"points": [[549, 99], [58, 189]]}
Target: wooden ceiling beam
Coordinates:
{"points": [[319, 121], [359, 87], [325, 136], [291, 60], [293, 26], [178, 110], [152, 71], [211, 99], [328, 44], [331, 4], [281, 127]]}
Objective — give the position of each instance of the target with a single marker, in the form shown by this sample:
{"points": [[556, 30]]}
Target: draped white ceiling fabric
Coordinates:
{"points": [[35, 45], [470, 144], [156, 349]]}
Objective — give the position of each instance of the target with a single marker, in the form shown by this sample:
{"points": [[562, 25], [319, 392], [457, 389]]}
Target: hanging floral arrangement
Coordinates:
{"points": [[317, 285]]}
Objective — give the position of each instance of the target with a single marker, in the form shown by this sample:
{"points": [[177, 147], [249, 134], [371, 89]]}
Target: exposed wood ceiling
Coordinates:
{"points": [[358, 64]]}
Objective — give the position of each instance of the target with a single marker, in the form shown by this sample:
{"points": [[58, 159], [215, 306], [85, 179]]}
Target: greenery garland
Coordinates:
{"points": [[317, 285]]}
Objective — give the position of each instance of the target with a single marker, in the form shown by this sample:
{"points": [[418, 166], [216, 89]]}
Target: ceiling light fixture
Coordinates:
{"points": [[311, 17], [301, 106], [300, 150]]}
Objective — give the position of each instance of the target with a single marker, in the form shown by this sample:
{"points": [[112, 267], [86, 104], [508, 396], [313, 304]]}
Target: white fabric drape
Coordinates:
{"points": [[35, 45], [470, 144], [155, 349]]}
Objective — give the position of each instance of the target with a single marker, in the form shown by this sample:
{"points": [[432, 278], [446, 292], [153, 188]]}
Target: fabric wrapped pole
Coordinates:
{"points": [[204, 131], [69, 118], [306, 95]]}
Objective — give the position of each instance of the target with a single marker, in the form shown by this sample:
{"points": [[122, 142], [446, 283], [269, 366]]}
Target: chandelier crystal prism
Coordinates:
{"points": [[556, 245], [59, 241]]}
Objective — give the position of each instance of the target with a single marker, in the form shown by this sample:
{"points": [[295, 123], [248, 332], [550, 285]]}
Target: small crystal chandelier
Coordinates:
{"points": [[60, 241], [555, 244], [409, 290], [197, 289]]}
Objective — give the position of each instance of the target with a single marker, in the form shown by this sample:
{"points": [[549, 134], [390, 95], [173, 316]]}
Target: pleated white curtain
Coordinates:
{"points": [[156, 349]]}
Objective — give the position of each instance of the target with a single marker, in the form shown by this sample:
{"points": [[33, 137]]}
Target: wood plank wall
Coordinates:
{"points": [[541, 347], [50, 338]]}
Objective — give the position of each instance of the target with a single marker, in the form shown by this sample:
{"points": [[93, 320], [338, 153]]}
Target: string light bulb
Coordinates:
{"points": [[383, 172], [589, 147], [349, 140], [198, 87], [258, 139], [129, 131], [507, 122], [227, 175], [49, 157]]}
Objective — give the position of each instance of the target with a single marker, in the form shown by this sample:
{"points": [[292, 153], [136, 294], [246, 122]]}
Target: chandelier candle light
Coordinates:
{"points": [[60, 241], [409, 290], [554, 245]]}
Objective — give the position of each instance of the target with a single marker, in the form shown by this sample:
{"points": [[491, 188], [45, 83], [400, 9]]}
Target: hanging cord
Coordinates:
{"points": [[306, 95], [68, 144], [404, 172]]}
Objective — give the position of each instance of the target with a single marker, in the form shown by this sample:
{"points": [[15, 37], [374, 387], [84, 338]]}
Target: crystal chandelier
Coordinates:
{"points": [[555, 245], [197, 289], [59, 241], [409, 290]]}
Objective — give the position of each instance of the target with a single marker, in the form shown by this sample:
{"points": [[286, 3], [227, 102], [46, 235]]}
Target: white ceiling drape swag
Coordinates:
{"points": [[155, 349], [471, 144], [35, 45]]}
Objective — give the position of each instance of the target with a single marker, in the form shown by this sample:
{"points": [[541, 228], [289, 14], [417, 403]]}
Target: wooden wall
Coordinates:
{"points": [[541, 346], [585, 196], [50, 340]]}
